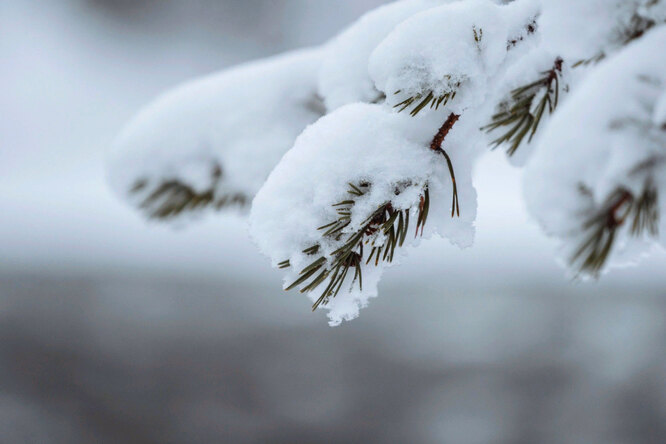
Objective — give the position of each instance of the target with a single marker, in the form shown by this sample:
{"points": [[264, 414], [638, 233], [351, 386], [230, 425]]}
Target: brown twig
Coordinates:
{"points": [[613, 219], [436, 146]]}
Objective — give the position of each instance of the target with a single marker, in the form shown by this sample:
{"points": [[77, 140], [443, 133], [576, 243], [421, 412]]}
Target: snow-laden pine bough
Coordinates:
{"points": [[351, 152]]}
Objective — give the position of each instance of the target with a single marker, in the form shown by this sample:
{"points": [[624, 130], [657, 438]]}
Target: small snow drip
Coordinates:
{"points": [[523, 111]]}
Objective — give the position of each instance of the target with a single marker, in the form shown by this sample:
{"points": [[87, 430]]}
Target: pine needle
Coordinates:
{"points": [[601, 228], [522, 113], [385, 222]]}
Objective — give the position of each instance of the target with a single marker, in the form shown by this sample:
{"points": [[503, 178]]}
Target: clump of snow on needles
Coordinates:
{"points": [[356, 143], [344, 74], [584, 29], [237, 123], [457, 47], [223, 134], [596, 140]]}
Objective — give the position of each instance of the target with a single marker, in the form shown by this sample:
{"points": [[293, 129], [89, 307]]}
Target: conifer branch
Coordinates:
{"points": [[171, 198], [638, 26], [600, 230], [646, 213], [521, 114], [478, 37], [590, 61], [429, 97], [426, 98], [381, 233]]}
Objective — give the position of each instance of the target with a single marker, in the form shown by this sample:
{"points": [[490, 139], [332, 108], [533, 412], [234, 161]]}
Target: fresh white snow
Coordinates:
{"points": [[224, 132]]}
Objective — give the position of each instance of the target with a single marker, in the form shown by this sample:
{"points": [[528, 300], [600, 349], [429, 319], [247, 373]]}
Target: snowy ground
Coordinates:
{"points": [[115, 330]]}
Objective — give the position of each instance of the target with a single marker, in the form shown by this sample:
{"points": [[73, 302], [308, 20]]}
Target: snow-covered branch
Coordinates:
{"points": [[357, 149], [212, 142]]}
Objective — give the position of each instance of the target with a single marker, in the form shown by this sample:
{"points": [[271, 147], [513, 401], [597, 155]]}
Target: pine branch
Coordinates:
{"points": [[638, 26], [429, 97], [171, 198], [422, 100], [382, 232], [600, 230], [646, 213], [521, 114]]}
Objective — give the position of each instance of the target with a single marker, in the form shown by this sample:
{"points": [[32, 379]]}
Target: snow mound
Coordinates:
{"points": [[344, 74], [585, 29], [386, 155], [214, 140], [453, 49]]}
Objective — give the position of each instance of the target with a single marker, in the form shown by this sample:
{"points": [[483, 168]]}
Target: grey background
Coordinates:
{"points": [[115, 330]]}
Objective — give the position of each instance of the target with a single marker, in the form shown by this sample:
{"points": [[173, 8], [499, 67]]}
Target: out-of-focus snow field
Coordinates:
{"points": [[116, 330]]}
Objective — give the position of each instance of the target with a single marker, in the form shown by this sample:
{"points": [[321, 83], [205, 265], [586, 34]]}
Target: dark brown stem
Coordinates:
{"points": [[436, 146], [557, 68], [444, 131], [615, 220]]}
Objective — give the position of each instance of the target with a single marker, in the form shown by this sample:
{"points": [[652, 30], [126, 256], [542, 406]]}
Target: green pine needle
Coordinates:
{"points": [[600, 230], [172, 198], [519, 116], [385, 224], [421, 100]]}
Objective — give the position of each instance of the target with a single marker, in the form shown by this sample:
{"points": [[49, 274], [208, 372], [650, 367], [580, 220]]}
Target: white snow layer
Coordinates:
{"points": [[598, 138], [456, 47], [223, 132], [344, 77], [584, 29]]}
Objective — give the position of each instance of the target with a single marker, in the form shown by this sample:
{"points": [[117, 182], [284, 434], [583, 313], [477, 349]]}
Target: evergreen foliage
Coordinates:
{"points": [[172, 198], [428, 59], [380, 233], [600, 229], [521, 114]]}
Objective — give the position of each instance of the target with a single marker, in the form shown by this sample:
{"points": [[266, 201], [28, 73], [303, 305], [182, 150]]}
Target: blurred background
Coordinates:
{"points": [[113, 329]]}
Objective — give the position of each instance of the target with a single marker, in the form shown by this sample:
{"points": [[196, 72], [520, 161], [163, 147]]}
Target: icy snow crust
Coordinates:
{"points": [[240, 121], [598, 138]]}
